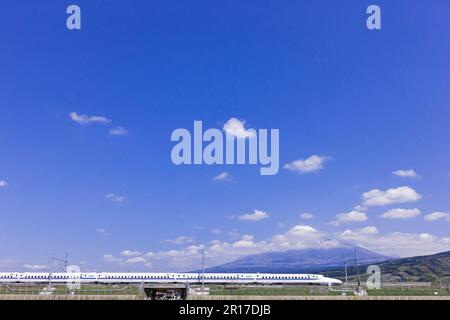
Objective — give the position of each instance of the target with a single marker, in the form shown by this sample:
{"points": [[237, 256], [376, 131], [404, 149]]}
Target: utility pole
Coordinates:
{"points": [[53, 262], [50, 275], [203, 270], [346, 275], [357, 270], [64, 261]]}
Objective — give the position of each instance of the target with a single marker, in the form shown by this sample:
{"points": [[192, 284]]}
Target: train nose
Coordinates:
{"points": [[332, 281]]}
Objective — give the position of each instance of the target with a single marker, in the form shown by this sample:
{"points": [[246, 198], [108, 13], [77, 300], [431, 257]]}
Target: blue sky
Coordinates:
{"points": [[366, 103]]}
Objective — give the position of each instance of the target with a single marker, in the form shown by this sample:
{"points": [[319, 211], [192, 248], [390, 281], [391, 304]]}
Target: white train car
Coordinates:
{"points": [[160, 278]]}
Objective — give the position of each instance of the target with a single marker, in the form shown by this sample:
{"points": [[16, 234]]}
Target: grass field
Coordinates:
{"points": [[64, 290], [218, 291], [322, 291]]}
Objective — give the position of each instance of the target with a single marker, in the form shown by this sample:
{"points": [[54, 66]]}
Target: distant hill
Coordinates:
{"points": [[297, 261], [423, 268]]}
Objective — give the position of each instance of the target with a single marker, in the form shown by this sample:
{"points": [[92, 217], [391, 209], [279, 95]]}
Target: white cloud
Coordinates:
{"points": [[360, 208], [353, 216], [85, 119], [298, 237], [245, 242], [181, 240], [130, 253], [224, 176], [437, 216], [378, 197], [311, 164], [397, 243], [300, 230], [406, 173], [35, 267], [236, 128], [369, 230], [426, 236], [346, 234], [118, 131], [136, 260], [255, 216], [116, 198], [216, 231], [306, 216], [3, 184], [401, 213], [217, 252]]}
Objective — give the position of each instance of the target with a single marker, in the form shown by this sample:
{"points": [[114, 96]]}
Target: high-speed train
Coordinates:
{"points": [[183, 278]]}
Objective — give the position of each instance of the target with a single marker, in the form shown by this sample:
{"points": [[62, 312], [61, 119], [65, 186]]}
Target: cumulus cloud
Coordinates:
{"points": [[245, 242], [35, 267], [130, 253], [352, 216], [224, 176], [116, 198], [306, 216], [255, 216], [311, 164], [369, 230], [85, 119], [298, 237], [217, 252], [378, 197], [236, 128], [3, 184], [438, 216], [401, 213], [301, 230], [360, 208], [406, 173], [397, 243], [365, 231], [136, 260], [118, 131]]}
